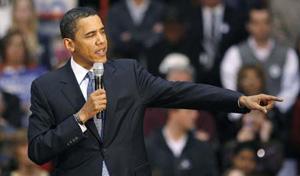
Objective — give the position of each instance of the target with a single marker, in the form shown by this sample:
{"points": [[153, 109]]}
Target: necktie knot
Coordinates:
{"points": [[90, 75]]}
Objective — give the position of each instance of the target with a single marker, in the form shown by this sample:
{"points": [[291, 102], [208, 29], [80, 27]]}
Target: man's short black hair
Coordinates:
{"points": [[257, 7], [69, 20]]}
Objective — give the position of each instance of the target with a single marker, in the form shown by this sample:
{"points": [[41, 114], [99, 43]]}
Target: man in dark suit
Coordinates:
{"points": [[213, 28], [134, 26], [62, 127]]}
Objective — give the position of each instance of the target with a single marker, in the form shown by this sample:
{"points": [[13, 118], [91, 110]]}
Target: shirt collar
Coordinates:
{"points": [[219, 9], [79, 71], [253, 44]]}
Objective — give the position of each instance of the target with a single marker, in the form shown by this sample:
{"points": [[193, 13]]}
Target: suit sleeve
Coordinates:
{"points": [[46, 138], [157, 92]]}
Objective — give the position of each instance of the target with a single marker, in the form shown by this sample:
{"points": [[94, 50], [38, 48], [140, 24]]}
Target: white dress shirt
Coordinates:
{"points": [[80, 74], [137, 12], [176, 146], [290, 79]]}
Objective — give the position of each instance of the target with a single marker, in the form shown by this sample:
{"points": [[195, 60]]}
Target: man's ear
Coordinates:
{"points": [[69, 44]]}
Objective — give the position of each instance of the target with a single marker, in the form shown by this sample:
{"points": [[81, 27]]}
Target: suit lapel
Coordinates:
{"points": [[73, 94], [111, 87]]}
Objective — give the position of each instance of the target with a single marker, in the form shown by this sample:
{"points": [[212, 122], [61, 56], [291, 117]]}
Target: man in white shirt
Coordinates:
{"points": [[279, 63]]}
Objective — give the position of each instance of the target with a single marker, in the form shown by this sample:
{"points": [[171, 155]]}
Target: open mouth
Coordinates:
{"points": [[101, 52]]}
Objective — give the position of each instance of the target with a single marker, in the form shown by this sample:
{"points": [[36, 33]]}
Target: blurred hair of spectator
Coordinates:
{"points": [[244, 158], [279, 63], [251, 80], [25, 167], [25, 20], [176, 67], [133, 26], [174, 150], [213, 28], [5, 12], [17, 70], [286, 25]]}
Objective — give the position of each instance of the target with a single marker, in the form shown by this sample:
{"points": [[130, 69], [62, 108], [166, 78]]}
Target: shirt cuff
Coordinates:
{"points": [[82, 127]]}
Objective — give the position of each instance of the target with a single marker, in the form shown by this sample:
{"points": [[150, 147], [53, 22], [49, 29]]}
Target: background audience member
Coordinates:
{"points": [[17, 70], [133, 26], [213, 28], [176, 67], [279, 63], [25, 20], [244, 158], [174, 150]]}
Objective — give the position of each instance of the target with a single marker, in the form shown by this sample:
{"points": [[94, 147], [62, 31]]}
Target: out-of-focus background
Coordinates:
{"points": [[252, 46]]}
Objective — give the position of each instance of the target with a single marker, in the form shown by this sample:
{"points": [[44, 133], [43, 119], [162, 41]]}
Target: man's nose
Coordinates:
{"points": [[100, 39]]}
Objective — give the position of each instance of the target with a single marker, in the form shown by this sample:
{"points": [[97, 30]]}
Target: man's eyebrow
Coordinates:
{"points": [[94, 31], [90, 32]]}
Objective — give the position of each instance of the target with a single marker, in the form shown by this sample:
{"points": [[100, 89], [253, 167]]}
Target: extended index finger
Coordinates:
{"points": [[270, 97]]}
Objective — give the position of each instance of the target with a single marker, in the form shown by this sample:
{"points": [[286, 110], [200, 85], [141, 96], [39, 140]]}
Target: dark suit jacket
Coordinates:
{"points": [[236, 33], [197, 158], [143, 35], [55, 135]]}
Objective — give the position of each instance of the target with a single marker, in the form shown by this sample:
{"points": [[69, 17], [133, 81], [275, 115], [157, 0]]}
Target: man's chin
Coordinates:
{"points": [[100, 60]]}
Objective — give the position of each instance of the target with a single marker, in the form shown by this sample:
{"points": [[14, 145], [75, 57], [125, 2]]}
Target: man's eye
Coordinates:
{"points": [[90, 35]]}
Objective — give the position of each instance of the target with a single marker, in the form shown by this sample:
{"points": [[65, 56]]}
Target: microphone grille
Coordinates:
{"points": [[98, 68]]}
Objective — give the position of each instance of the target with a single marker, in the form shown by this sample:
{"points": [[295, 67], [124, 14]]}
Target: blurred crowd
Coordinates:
{"points": [[252, 46]]}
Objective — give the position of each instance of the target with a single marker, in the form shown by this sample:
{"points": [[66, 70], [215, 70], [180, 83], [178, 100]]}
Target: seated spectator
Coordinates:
{"points": [[213, 28], [176, 67], [173, 150], [279, 63], [17, 71], [133, 26], [24, 19], [244, 158]]}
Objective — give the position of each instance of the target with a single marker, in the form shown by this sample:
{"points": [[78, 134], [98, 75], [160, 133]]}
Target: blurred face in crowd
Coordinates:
{"points": [[259, 25], [23, 11], [179, 75], [184, 118], [15, 50], [245, 161], [250, 82], [89, 44], [174, 31], [138, 2], [210, 3]]}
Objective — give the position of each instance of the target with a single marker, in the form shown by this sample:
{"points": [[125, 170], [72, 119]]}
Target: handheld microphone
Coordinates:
{"points": [[98, 70]]}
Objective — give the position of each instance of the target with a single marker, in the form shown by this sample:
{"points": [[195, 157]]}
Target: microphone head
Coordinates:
{"points": [[98, 69]]}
